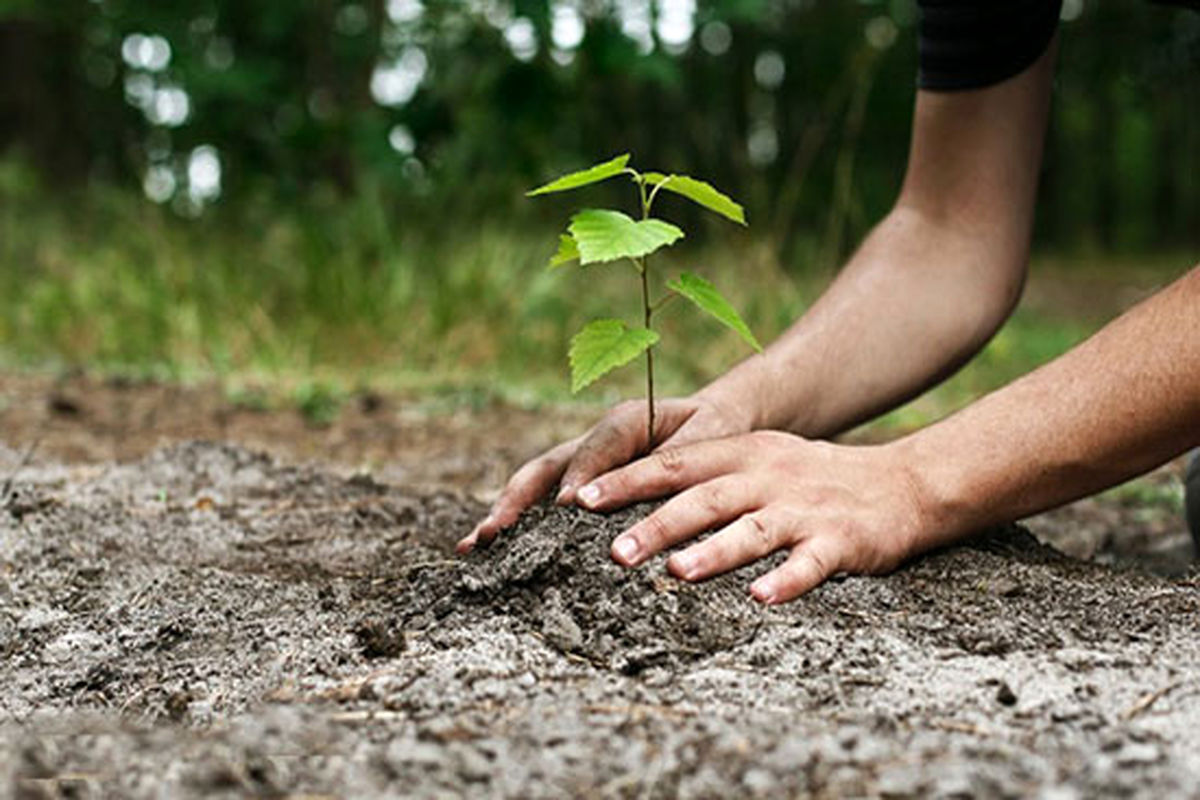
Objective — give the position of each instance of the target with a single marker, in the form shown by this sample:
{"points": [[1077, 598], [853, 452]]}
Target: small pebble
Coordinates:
{"points": [[1005, 696]]}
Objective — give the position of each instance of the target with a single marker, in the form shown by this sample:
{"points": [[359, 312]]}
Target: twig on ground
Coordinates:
{"points": [[1149, 699], [862, 680], [958, 726]]}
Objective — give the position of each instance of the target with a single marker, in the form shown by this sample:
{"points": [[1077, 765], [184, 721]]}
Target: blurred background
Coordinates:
{"points": [[329, 193]]}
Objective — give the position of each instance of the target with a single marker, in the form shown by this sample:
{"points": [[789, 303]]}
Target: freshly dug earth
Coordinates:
{"points": [[208, 621]]}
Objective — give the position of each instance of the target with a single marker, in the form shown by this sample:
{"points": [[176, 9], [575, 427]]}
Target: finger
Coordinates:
{"points": [[616, 439], [748, 538], [524, 488], [665, 471], [692, 512], [811, 563]]}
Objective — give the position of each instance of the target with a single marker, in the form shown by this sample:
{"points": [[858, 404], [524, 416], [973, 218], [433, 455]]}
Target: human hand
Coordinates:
{"points": [[836, 509], [612, 442]]}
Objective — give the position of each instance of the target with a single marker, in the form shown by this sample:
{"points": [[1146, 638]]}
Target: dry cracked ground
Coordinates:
{"points": [[190, 618]]}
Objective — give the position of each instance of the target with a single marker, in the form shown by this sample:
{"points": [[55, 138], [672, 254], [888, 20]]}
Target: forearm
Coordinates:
{"points": [[932, 282], [1123, 402], [916, 301]]}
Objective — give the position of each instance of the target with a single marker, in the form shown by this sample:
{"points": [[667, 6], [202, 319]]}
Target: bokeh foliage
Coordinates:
{"points": [[800, 106]]}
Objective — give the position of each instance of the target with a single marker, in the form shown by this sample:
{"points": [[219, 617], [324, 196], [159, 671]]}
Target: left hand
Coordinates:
{"points": [[854, 509]]}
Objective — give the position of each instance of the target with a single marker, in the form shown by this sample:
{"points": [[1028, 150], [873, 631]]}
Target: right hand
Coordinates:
{"points": [[613, 442]]}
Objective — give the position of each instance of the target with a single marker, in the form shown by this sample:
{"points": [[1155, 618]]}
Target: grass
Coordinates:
{"points": [[338, 296], [334, 295]]}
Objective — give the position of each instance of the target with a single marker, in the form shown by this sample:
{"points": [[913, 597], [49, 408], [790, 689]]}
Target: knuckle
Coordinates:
{"points": [[789, 524], [761, 532], [825, 560], [818, 563], [670, 460], [654, 534], [713, 498], [617, 483]]}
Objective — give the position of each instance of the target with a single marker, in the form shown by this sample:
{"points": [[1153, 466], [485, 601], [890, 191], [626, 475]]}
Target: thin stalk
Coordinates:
{"points": [[641, 184], [662, 302], [647, 316], [648, 313], [654, 192]]}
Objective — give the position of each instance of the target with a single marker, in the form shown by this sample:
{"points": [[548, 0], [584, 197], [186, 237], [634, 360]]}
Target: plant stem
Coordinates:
{"points": [[663, 301], [648, 313]]}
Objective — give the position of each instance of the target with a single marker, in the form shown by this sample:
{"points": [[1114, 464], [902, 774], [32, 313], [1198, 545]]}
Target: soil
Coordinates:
{"points": [[209, 619]]}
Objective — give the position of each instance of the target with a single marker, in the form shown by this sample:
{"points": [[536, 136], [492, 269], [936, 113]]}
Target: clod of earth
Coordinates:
{"points": [[552, 572]]}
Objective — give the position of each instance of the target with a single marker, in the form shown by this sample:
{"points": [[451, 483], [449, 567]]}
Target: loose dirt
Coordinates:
{"points": [[205, 619]]}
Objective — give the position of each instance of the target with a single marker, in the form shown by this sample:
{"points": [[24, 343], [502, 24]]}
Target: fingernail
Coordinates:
{"points": [[564, 494], [764, 590], [589, 495], [627, 550], [685, 565]]}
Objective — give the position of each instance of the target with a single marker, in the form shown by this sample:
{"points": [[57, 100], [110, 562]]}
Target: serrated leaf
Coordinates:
{"points": [[699, 192], [567, 251], [708, 299], [602, 346], [603, 235], [584, 177]]}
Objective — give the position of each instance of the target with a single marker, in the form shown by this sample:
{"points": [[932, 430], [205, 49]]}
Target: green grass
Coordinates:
{"points": [[342, 295], [337, 294]]}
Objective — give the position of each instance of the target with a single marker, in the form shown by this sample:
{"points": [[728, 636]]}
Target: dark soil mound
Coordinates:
{"points": [[552, 572]]}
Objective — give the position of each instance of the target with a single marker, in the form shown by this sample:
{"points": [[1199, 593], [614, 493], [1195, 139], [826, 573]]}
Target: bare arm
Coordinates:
{"points": [[1120, 404], [932, 282]]}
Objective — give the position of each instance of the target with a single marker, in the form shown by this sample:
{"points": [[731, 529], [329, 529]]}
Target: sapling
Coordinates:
{"points": [[602, 235]]}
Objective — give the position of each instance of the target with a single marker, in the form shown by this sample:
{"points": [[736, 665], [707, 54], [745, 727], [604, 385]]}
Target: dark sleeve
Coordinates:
{"points": [[969, 44]]}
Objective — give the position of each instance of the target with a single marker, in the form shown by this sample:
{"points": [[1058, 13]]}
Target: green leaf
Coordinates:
{"points": [[602, 346], [706, 296], [600, 172], [610, 235], [567, 251], [698, 192]]}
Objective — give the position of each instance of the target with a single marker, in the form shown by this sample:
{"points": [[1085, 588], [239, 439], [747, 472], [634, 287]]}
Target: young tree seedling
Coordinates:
{"points": [[597, 236]]}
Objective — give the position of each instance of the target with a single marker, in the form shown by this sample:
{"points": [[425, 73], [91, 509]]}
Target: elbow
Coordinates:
{"points": [[976, 273], [987, 300], [979, 271], [1002, 293]]}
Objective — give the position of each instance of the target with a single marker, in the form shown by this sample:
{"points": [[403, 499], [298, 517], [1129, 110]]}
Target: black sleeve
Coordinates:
{"points": [[969, 44]]}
